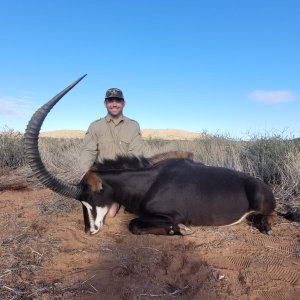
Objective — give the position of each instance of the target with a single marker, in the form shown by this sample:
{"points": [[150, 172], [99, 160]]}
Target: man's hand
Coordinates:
{"points": [[113, 210]]}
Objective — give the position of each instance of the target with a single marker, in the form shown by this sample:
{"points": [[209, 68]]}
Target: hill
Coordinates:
{"points": [[165, 134]]}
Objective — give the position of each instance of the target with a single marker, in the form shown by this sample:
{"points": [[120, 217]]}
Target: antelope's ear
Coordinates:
{"points": [[94, 181]]}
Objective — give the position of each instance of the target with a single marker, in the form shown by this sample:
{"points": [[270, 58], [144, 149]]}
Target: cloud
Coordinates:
{"points": [[15, 107], [272, 97]]}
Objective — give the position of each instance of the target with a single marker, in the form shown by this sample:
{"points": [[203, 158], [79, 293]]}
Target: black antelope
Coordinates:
{"points": [[166, 192]]}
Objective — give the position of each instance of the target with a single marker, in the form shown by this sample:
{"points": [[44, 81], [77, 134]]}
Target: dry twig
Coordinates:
{"points": [[164, 294]]}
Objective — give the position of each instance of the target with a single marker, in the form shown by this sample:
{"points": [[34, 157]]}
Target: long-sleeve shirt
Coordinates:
{"points": [[105, 140]]}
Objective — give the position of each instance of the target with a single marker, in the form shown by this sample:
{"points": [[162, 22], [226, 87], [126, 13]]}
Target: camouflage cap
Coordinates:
{"points": [[114, 93]]}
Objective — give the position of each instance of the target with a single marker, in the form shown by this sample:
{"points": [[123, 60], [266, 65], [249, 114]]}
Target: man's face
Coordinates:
{"points": [[114, 106]]}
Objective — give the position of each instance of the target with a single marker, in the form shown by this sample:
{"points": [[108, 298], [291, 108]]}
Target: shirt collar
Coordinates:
{"points": [[108, 119]]}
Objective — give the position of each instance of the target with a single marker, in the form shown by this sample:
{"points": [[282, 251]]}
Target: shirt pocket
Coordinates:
{"points": [[124, 146], [107, 149]]}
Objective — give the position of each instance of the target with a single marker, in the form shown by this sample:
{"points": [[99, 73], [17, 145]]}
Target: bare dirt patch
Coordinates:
{"points": [[45, 254]]}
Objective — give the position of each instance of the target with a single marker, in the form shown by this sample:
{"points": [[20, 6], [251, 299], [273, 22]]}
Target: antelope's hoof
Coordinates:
{"points": [[184, 230]]}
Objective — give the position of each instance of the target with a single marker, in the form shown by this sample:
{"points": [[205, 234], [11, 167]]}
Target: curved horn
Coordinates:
{"points": [[32, 151]]}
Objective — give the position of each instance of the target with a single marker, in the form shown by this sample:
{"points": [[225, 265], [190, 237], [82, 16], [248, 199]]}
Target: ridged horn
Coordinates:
{"points": [[32, 151]]}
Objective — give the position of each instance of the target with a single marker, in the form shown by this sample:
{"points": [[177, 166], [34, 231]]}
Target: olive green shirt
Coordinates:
{"points": [[105, 140]]}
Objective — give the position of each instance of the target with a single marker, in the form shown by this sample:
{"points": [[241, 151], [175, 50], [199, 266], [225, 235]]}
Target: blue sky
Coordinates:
{"points": [[228, 67]]}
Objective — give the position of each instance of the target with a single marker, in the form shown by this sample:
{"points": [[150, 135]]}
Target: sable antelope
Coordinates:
{"points": [[167, 192]]}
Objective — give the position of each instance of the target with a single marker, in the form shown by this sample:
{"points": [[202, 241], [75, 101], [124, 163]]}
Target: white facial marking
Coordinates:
{"points": [[95, 223], [87, 205], [89, 209], [101, 212]]}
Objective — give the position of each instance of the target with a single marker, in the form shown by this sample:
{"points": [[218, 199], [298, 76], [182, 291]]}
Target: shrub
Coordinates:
{"points": [[11, 149]]}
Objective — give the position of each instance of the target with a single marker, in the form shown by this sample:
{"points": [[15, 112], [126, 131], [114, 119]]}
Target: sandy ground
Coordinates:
{"points": [[45, 254]]}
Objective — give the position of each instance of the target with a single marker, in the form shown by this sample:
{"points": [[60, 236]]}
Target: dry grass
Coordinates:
{"points": [[272, 158]]}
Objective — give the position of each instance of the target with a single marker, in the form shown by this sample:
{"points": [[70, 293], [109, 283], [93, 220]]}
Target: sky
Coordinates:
{"points": [[225, 67]]}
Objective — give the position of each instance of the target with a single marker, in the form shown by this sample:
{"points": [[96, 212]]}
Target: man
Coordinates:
{"points": [[110, 136]]}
